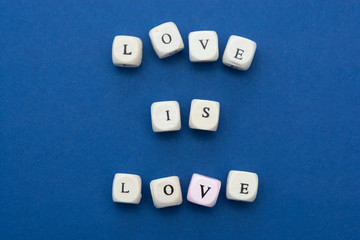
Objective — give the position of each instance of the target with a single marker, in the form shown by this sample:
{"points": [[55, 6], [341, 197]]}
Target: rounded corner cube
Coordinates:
{"points": [[166, 39], [127, 51], [165, 116], [203, 190], [239, 53], [126, 188], [203, 46], [204, 115], [166, 192], [242, 186]]}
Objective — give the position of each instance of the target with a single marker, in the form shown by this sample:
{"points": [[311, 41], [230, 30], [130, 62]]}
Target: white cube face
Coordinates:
{"points": [[242, 186], [127, 51], [165, 116], [204, 115], [239, 53], [166, 39], [126, 188], [203, 46], [166, 192]]}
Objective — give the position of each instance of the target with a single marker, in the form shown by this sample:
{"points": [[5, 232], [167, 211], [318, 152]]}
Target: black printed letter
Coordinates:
{"points": [[202, 44], [207, 113], [202, 191], [163, 39], [122, 188], [126, 53], [244, 186], [238, 53], [171, 190], [168, 115]]}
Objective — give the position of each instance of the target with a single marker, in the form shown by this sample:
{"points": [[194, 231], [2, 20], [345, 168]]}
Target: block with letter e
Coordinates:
{"points": [[242, 186]]}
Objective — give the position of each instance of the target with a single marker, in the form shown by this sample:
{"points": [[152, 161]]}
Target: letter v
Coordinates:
{"points": [[202, 191], [202, 44]]}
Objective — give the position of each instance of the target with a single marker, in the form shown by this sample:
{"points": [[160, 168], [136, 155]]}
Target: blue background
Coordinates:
{"points": [[70, 120]]}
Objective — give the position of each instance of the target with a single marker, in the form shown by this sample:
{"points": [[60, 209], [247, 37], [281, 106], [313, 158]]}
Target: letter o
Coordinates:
{"points": [[171, 189], [163, 38]]}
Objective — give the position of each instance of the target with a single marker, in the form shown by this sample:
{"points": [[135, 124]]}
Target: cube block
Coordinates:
{"points": [[166, 192], [165, 116], [127, 51], [203, 190], [203, 46], [166, 39], [239, 52], [242, 186], [126, 188], [204, 115]]}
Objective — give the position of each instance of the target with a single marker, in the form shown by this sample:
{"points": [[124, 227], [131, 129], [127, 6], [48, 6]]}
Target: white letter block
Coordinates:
{"points": [[127, 51], [126, 188], [204, 115], [239, 53], [166, 39], [203, 46], [242, 186], [165, 116], [166, 192]]}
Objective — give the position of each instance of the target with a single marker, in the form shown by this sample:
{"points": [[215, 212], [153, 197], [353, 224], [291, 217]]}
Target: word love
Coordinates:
{"points": [[166, 41], [203, 190], [204, 115]]}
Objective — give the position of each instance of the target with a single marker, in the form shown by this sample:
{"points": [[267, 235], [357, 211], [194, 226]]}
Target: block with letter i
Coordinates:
{"points": [[126, 188], [242, 186], [165, 116]]}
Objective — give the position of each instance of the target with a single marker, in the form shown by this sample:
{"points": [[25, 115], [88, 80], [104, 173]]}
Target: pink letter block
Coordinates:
{"points": [[203, 190]]}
